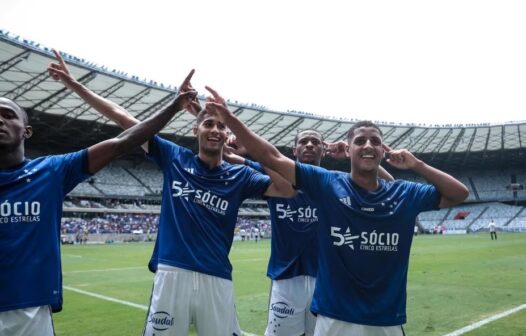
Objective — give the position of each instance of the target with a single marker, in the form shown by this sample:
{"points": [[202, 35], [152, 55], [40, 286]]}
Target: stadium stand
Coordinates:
{"points": [[490, 159]]}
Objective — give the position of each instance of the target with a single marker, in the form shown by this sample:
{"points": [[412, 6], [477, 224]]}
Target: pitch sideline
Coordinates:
{"points": [[490, 319]]}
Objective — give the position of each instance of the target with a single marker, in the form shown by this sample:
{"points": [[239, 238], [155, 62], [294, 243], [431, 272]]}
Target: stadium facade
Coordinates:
{"points": [[489, 158]]}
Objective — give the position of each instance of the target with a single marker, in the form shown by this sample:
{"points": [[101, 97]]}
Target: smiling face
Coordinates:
{"points": [[13, 125], [365, 149], [211, 135], [309, 147]]}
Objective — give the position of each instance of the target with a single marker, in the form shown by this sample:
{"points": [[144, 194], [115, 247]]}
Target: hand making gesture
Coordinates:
{"points": [[336, 150], [216, 105], [400, 158], [59, 71], [187, 94]]}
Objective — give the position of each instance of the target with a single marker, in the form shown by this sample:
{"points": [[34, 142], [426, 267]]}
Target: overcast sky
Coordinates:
{"points": [[404, 61]]}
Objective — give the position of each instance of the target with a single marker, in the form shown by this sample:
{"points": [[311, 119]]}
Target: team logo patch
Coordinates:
{"points": [[346, 200], [281, 309], [205, 198], [161, 320], [367, 241]]}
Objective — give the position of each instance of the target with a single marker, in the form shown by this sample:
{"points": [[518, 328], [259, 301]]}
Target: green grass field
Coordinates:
{"points": [[453, 281]]}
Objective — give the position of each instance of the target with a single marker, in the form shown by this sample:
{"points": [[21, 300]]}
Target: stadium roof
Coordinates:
{"points": [[62, 121]]}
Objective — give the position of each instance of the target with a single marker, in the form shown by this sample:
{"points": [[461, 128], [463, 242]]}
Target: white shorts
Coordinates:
{"points": [[181, 297], [326, 326], [289, 308], [32, 321]]}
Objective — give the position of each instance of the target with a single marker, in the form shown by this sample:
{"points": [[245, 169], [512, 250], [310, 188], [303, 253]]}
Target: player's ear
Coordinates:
{"points": [[194, 130], [28, 132]]}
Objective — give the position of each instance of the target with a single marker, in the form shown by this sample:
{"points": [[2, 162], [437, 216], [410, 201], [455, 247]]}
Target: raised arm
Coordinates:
{"points": [[280, 187], [59, 71], [260, 149], [101, 154], [452, 190]]}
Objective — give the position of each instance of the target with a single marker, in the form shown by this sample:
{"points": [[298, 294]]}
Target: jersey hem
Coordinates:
{"points": [[195, 269], [28, 305], [392, 323]]}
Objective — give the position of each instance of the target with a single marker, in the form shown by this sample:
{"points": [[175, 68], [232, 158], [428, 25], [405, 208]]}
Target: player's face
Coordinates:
{"points": [[309, 148], [211, 134], [12, 126], [365, 149]]}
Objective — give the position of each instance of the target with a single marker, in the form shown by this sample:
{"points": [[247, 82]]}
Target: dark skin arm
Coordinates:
{"points": [[59, 71], [101, 154]]}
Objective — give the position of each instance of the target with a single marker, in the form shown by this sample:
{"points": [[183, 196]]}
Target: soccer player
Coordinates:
{"points": [[201, 198], [367, 231], [31, 197], [293, 263], [492, 229]]}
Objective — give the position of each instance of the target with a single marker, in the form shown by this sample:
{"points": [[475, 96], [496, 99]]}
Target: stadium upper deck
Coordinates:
{"points": [[74, 125]]}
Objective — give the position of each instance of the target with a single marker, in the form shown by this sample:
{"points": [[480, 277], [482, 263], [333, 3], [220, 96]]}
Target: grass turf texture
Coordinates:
{"points": [[453, 281]]}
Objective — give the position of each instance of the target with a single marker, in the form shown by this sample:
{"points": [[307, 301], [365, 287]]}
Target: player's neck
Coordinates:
{"points": [[210, 160], [11, 158], [367, 180]]}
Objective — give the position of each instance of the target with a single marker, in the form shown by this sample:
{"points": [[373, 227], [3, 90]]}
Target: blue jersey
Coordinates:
{"points": [[31, 197], [365, 242], [199, 209], [294, 244]]}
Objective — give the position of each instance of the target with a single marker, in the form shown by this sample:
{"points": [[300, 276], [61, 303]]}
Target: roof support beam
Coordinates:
{"points": [[270, 125], [13, 61], [402, 136], [281, 134], [331, 130], [56, 97], [423, 145], [161, 103], [441, 143], [15, 93]]}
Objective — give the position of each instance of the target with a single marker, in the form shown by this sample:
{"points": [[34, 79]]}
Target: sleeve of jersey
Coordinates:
{"points": [[161, 150], [312, 179], [428, 197], [256, 183], [255, 165], [73, 168]]}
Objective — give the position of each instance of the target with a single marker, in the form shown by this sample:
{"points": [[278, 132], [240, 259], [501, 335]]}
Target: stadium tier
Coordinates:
{"points": [[490, 159], [24, 79]]}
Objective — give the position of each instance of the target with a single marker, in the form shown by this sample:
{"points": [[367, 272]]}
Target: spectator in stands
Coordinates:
{"points": [[31, 196], [492, 230], [293, 263], [201, 198], [368, 226]]}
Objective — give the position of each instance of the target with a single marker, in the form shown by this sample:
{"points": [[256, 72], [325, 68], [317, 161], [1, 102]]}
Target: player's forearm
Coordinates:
{"points": [[452, 190], [260, 149], [106, 107], [233, 158], [143, 131]]}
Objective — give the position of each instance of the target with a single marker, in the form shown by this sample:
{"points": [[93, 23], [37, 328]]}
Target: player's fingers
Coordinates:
{"points": [[213, 92], [187, 79], [59, 58], [386, 147]]}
